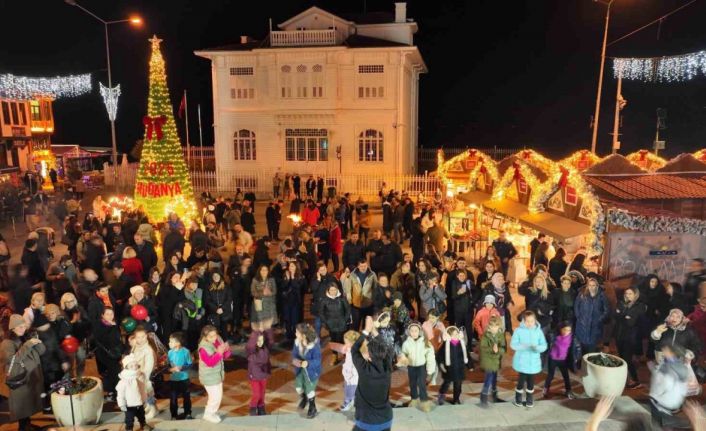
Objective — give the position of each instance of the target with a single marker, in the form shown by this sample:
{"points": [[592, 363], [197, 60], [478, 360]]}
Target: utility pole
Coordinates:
{"points": [[661, 125], [619, 103]]}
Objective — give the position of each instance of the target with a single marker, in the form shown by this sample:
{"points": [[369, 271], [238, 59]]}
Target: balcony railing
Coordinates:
{"points": [[303, 38]]}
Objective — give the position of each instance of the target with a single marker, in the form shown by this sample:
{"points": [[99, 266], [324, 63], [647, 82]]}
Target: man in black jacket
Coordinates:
{"points": [[374, 248], [372, 396], [146, 254], [390, 255], [273, 217], [353, 251], [505, 251], [694, 278], [297, 186], [173, 242]]}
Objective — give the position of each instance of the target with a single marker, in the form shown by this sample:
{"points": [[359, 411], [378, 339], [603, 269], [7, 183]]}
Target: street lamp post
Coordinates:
{"points": [[133, 20], [600, 75]]}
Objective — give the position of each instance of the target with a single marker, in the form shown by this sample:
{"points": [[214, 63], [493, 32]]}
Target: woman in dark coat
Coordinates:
{"points": [[653, 295], [293, 283], [677, 299], [219, 304], [97, 303], [563, 301], [591, 310], [109, 350], [25, 400], [557, 266], [168, 297], [334, 314], [628, 314]]}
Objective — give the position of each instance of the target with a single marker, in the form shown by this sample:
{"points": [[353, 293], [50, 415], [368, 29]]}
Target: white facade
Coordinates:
{"points": [[319, 85]]}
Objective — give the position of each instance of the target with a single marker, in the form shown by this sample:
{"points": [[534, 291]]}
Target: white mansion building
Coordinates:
{"points": [[321, 95]]}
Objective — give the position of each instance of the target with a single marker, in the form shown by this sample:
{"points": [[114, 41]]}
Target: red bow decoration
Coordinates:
{"points": [[154, 125], [584, 154], [517, 175], [703, 156], [472, 153], [564, 177], [526, 154], [643, 155]]}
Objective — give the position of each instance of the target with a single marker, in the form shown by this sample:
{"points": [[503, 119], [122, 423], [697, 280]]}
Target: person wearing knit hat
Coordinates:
{"points": [[132, 394], [138, 297], [399, 313], [24, 400], [137, 288], [483, 316]]}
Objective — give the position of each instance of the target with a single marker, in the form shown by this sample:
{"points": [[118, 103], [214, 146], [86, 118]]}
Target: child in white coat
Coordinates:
{"points": [[350, 374], [418, 355], [132, 393], [146, 357]]}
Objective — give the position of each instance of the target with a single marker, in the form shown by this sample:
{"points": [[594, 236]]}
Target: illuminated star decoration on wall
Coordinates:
{"points": [[24, 88], [110, 98], [661, 69]]}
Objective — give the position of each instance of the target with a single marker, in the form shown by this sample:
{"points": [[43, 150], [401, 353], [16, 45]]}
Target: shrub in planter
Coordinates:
{"points": [[86, 394], [606, 375]]}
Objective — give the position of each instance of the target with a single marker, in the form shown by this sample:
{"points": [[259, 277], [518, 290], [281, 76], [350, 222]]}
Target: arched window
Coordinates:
{"points": [[317, 81], [370, 146], [244, 145], [286, 82]]}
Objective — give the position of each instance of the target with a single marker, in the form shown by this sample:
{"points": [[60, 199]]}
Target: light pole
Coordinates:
{"points": [[600, 75], [134, 21]]}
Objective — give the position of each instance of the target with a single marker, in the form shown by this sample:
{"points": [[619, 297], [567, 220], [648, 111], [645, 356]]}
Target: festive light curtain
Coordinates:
{"points": [[661, 69]]}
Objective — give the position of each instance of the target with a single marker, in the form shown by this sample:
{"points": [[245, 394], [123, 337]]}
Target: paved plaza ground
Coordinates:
{"points": [[281, 398]]}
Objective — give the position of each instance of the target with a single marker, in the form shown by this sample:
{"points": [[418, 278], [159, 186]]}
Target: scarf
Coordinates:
{"points": [[106, 299], [106, 323], [447, 356]]}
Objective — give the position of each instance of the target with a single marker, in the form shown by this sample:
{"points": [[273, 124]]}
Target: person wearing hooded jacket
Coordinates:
{"points": [[138, 297], [218, 302], [676, 331], [653, 295], [417, 354], [668, 386], [318, 286], [452, 359], [334, 314], [528, 342]]}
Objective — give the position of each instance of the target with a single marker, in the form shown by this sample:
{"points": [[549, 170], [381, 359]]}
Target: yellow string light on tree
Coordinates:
{"points": [[162, 179]]}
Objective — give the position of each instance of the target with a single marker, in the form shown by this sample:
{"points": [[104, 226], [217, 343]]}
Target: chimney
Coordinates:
{"points": [[400, 12], [244, 39]]}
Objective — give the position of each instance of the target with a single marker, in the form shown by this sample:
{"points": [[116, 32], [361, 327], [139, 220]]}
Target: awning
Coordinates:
{"points": [[553, 225]]}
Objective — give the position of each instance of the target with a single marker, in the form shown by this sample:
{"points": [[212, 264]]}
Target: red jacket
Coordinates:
{"points": [[310, 217], [133, 269], [334, 238]]}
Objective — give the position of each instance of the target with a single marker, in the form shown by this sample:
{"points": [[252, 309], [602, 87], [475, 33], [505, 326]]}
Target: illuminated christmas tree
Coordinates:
{"points": [[163, 184]]}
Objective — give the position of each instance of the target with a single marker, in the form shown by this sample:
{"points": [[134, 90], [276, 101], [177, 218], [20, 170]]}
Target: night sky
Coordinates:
{"points": [[529, 80]]}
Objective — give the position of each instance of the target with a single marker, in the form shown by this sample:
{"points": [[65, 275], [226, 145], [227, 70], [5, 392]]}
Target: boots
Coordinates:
{"points": [[494, 396], [518, 397], [303, 402], [529, 401], [311, 414], [253, 411], [426, 406], [261, 411], [413, 404], [484, 400]]}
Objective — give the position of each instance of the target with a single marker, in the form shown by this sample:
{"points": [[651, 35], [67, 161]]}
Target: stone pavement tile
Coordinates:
{"points": [[463, 416]]}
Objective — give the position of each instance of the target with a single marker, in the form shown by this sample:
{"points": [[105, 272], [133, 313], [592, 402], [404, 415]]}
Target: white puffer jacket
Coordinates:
{"points": [[131, 389]]}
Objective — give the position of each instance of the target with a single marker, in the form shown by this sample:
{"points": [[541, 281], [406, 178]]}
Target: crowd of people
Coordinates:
{"points": [[148, 318]]}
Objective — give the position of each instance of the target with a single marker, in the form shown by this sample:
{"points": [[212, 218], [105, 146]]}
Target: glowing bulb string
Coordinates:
{"points": [[676, 68]]}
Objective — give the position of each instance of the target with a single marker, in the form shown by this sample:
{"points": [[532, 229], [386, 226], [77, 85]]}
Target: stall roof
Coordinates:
{"points": [[76, 152], [614, 164], [507, 162], [684, 163], [653, 186], [554, 225]]}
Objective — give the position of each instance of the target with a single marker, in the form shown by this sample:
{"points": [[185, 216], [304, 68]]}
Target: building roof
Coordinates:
{"points": [[654, 186], [506, 163], [684, 163], [615, 164]]}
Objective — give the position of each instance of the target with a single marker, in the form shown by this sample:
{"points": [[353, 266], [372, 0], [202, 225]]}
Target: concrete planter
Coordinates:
{"points": [[88, 406], [604, 381]]}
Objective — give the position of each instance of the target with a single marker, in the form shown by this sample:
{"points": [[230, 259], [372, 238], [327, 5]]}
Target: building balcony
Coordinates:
{"points": [[303, 38], [42, 126]]}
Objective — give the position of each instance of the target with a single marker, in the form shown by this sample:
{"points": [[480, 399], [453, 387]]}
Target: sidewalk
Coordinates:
{"points": [[546, 415]]}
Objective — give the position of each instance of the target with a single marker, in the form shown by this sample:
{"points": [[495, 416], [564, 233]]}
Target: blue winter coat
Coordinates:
{"points": [[311, 354], [591, 312], [528, 344]]}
